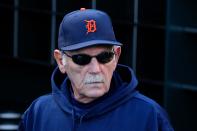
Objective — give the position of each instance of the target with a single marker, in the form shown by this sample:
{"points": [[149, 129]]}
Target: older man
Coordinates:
{"points": [[90, 91]]}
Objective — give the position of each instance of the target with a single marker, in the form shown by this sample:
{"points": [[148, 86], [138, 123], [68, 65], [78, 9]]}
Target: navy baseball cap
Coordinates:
{"points": [[85, 27]]}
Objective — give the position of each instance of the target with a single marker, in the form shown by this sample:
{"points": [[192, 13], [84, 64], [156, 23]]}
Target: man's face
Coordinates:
{"points": [[92, 80]]}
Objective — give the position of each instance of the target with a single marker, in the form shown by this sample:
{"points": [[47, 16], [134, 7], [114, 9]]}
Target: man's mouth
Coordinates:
{"points": [[96, 82]]}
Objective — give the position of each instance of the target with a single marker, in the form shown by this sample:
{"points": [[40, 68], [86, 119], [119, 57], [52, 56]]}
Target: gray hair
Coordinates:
{"points": [[64, 59]]}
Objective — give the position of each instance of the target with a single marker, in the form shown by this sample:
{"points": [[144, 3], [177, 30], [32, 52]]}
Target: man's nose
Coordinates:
{"points": [[94, 66]]}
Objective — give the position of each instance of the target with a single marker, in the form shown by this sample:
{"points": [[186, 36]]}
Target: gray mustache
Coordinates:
{"points": [[93, 79]]}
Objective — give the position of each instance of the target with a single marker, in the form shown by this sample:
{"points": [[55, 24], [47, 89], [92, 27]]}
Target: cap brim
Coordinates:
{"points": [[90, 43]]}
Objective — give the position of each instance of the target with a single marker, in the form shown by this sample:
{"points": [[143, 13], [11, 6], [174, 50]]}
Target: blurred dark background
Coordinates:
{"points": [[160, 44]]}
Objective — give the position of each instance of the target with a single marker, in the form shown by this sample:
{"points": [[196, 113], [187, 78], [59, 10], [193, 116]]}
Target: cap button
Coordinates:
{"points": [[82, 9]]}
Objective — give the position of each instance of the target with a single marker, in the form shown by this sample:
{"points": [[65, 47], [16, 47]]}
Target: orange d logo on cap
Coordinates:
{"points": [[90, 25]]}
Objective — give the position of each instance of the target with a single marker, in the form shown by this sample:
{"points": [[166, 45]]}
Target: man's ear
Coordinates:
{"points": [[58, 57], [117, 50]]}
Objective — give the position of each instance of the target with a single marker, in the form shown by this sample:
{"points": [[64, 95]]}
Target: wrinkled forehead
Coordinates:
{"points": [[93, 48]]}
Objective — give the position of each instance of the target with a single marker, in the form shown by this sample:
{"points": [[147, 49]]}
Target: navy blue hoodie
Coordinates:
{"points": [[122, 108]]}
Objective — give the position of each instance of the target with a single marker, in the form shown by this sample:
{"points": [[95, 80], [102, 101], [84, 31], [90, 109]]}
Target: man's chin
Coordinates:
{"points": [[95, 94]]}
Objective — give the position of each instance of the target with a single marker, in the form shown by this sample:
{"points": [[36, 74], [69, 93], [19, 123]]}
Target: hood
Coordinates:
{"points": [[122, 89]]}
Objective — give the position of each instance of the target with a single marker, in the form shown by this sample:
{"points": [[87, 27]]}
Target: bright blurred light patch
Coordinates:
{"points": [[10, 115], [8, 127]]}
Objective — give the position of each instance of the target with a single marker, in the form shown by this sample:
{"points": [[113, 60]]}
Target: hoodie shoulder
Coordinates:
{"points": [[158, 112], [42, 100], [39, 103]]}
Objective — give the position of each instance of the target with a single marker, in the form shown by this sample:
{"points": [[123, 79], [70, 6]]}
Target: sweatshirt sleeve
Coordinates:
{"points": [[21, 126], [26, 123], [163, 120], [26, 118]]}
